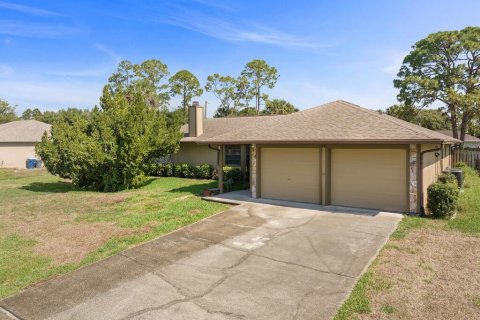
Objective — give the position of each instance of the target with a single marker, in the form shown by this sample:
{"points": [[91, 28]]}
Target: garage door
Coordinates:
{"points": [[369, 178], [290, 174]]}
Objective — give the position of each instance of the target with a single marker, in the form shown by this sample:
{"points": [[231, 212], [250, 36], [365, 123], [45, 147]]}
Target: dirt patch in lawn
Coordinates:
{"points": [[62, 239], [434, 274]]}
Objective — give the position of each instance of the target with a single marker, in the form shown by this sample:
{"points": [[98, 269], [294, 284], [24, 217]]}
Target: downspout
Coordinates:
{"points": [[420, 185]]}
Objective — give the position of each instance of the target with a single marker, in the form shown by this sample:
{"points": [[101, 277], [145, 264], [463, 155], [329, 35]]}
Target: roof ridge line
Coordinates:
{"points": [[390, 120]]}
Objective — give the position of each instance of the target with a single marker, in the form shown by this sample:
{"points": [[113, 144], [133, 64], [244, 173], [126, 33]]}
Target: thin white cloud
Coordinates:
{"points": [[109, 52], [5, 70], [240, 32], [34, 30], [26, 9]]}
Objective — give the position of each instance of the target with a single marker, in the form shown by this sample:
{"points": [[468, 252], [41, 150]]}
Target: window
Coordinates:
{"points": [[233, 155]]}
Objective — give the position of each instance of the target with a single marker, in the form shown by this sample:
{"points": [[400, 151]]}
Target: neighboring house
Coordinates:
{"points": [[337, 153], [469, 142], [17, 141]]}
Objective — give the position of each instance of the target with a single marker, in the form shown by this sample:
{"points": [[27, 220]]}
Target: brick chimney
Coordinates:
{"points": [[195, 120]]}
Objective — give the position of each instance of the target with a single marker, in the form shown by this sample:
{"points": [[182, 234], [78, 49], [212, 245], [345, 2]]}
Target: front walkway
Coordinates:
{"points": [[254, 261]]}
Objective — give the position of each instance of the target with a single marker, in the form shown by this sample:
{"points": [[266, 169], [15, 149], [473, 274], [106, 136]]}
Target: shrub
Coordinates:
{"points": [[204, 171], [232, 173], [177, 170], [442, 199], [447, 178], [169, 170], [187, 171]]}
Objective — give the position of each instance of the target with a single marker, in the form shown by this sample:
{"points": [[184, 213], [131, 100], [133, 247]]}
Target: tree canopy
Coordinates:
{"points": [[260, 75], [235, 94], [7, 112], [433, 119], [444, 68], [186, 85], [277, 106], [147, 79]]}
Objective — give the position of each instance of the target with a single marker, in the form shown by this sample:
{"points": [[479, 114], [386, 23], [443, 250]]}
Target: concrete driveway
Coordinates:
{"points": [[254, 261]]}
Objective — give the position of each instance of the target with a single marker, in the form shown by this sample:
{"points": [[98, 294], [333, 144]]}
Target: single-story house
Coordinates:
{"points": [[17, 141], [337, 153], [469, 141]]}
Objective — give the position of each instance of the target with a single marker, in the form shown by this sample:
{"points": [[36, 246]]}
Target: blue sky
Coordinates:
{"points": [[56, 54]]}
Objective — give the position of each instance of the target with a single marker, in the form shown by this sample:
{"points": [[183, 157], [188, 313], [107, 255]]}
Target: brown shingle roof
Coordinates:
{"points": [[23, 131], [334, 122]]}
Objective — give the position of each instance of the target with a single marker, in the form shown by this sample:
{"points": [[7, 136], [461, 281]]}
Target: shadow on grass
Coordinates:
{"points": [[195, 189], [49, 187]]}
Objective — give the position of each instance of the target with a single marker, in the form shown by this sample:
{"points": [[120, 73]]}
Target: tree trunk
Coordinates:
{"points": [[258, 100], [453, 120], [463, 126]]}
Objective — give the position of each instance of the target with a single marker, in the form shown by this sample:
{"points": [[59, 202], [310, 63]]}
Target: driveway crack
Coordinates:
{"points": [[194, 297]]}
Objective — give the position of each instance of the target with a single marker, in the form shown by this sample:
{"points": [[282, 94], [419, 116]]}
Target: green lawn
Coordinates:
{"points": [[38, 209], [372, 285]]}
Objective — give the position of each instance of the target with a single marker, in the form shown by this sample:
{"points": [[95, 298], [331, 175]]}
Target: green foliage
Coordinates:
{"points": [[232, 174], [277, 106], [442, 199], [427, 118], [260, 75], [447, 178], [7, 112], [235, 94], [204, 171], [184, 170], [468, 216], [107, 151], [186, 85], [443, 68], [145, 79], [50, 117], [224, 88]]}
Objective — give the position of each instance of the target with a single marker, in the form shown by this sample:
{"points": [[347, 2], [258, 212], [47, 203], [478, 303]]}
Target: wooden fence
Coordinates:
{"points": [[470, 157]]}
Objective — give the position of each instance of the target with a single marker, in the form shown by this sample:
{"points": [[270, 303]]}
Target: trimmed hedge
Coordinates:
{"points": [[203, 171], [443, 196], [232, 173]]}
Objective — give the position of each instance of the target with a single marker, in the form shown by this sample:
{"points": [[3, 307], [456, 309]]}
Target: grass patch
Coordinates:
{"points": [[18, 265], [406, 225], [468, 216], [162, 206], [358, 301], [476, 301], [388, 309]]}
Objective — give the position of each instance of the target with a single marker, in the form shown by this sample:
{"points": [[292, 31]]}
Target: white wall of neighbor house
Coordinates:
{"points": [[14, 155], [195, 154]]}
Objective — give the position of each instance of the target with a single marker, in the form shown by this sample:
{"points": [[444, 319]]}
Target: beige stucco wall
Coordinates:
{"points": [[290, 174], [432, 166], [369, 178], [14, 155], [195, 154]]}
